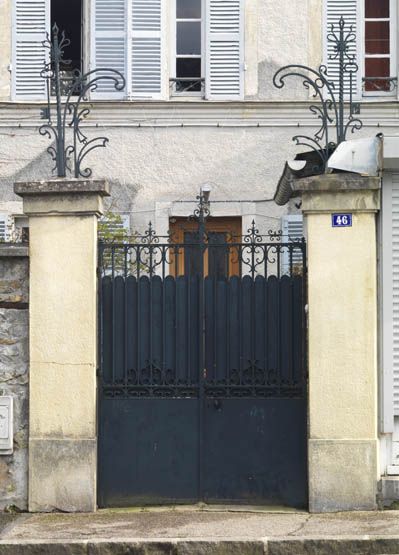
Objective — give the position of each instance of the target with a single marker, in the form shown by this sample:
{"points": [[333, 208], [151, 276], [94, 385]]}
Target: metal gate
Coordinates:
{"points": [[203, 369]]}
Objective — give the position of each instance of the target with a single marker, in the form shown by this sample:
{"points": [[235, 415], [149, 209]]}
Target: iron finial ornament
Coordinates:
{"points": [[336, 107], [202, 212], [68, 97]]}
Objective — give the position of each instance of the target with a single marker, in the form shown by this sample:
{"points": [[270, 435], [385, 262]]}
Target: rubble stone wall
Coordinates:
{"points": [[14, 370]]}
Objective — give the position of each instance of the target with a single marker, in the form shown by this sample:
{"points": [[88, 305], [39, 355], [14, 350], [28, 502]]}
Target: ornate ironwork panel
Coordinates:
{"points": [[220, 312], [67, 107], [334, 107]]}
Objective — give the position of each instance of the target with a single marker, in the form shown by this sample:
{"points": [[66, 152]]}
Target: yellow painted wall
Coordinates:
{"points": [[342, 328], [63, 330]]}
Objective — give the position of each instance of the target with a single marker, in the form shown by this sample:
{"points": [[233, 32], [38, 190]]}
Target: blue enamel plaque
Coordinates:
{"points": [[342, 220]]}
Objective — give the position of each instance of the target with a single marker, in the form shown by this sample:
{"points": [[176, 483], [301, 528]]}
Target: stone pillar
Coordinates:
{"points": [[342, 266], [63, 342]]}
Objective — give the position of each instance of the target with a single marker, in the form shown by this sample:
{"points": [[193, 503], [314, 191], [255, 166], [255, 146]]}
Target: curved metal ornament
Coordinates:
{"points": [[330, 109], [71, 111]]}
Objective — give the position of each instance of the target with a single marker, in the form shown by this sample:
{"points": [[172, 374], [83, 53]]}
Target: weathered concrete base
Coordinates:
{"points": [[63, 475], [390, 491], [205, 530], [343, 475], [284, 546]]}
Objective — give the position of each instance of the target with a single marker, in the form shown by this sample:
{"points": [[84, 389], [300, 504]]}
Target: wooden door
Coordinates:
{"points": [[221, 256]]}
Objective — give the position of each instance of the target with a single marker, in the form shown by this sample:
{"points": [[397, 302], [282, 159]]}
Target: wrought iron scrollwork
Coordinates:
{"points": [[69, 93], [331, 109], [181, 85], [380, 84]]}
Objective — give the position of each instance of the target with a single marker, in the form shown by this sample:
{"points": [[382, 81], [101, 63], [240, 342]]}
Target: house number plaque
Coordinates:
{"points": [[342, 220]]}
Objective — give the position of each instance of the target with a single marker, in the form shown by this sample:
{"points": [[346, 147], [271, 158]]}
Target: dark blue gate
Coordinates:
{"points": [[203, 370]]}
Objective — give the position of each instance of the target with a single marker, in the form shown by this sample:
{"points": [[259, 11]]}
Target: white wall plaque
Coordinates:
{"points": [[6, 425]]}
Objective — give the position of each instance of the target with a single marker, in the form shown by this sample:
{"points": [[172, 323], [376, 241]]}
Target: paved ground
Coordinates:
{"points": [[200, 531]]}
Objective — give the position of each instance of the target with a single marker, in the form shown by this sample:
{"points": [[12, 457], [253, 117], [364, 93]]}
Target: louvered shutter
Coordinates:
{"points": [[350, 11], [224, 49], [292, 228], [391, 203], [31, 23], [146, 49], [6, 227], [109, 43]]}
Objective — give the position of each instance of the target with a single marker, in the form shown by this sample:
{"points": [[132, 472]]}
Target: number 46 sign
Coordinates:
{"points": [[342, 220]]}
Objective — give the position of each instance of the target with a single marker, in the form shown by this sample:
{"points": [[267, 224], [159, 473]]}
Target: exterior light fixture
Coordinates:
{"points": [[206, 193]]}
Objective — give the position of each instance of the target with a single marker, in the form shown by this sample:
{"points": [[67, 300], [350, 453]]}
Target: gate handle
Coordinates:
{"points": [[217, 404]]}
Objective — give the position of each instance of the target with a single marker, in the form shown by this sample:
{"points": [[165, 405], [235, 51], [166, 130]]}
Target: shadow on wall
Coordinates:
{"points": [[37, 169], [267, 91], [40, 168]]}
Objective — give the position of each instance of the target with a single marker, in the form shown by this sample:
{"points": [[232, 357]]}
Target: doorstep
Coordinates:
{"points": [[201, 532]]}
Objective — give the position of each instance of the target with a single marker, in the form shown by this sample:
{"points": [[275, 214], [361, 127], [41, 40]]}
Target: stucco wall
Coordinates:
{"points": [[149, 165], [163, 163], [14, 276]]}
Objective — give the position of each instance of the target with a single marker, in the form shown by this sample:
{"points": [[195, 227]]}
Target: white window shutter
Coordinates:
{"points": [[292, 228], [224, 79], [6, 227], [394, 280], [31, 23], [145, 58], [109, 43], [350, 11]]}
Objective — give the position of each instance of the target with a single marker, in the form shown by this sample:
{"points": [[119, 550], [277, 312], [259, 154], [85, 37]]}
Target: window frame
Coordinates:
{"points": [[173, 51], [392, 55]]}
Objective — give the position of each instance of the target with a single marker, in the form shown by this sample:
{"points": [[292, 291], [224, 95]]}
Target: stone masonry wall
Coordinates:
{"points": [[14, 368]]}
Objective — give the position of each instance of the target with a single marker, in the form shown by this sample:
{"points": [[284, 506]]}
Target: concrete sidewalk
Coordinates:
{"points": [[202, 531]]}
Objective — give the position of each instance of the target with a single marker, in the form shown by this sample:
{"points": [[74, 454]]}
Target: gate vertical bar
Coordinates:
{"points": [[201, 213], [305, 317], [201, 354]]}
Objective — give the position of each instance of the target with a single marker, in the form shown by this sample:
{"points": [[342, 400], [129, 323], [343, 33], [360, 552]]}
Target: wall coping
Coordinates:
{"points": [[62, 187], [336, 182], [14, 250]]}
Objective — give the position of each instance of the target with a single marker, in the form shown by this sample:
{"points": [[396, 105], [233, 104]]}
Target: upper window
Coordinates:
{"points": [[373, 43], [379, 65], [189, 51], [134, 38], [68, 17]]}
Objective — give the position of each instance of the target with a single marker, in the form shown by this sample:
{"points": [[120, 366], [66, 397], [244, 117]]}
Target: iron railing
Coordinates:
{"points": [[185, 85], [224, 315], [380, 84]]}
